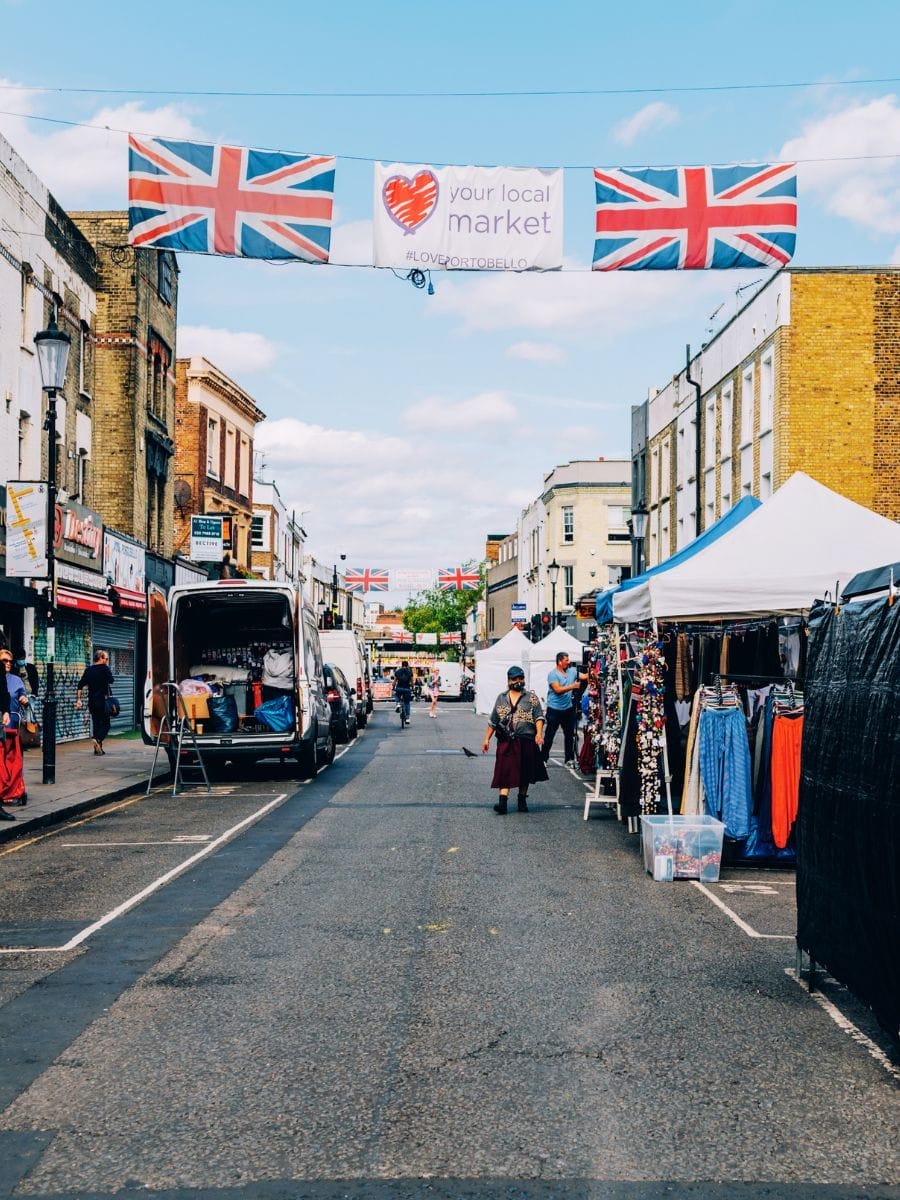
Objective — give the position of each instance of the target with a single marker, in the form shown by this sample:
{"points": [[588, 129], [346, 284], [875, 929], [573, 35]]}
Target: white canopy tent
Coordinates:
{"points": [[542, 658], [492, 664], [803, 542]]}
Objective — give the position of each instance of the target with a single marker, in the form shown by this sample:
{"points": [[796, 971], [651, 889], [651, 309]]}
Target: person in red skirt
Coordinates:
{"points": [[517, 722], [12, 778]]}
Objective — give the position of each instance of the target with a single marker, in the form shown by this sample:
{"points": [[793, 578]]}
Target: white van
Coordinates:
{"points": [[344, 648], [226, 633]]}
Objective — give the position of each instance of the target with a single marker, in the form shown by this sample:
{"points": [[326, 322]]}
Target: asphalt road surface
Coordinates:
{"points": [[371, 986]]}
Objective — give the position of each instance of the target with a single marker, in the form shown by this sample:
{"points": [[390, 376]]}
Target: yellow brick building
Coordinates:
{"points": [[804, 377]]}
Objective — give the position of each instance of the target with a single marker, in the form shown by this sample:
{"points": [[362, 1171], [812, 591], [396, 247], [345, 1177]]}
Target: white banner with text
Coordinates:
{"points": [[468, 218]]}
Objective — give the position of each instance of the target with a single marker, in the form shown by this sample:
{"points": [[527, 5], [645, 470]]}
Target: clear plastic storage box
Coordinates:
{"points": [[683, 847]]}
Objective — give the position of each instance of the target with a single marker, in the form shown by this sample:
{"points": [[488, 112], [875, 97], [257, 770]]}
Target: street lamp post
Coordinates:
{"points": [[639, 516], [334, 593], [52, 346], [553, 576]]}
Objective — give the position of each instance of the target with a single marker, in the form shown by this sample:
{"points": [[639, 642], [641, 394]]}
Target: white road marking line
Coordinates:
{"points": [[748, 929], [847, 1026], [759, 889], [108, 845], [158, 883]]}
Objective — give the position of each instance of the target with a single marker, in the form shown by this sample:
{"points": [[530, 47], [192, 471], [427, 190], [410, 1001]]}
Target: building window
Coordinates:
{"points": [[24, 426], [765, 465], [766, 393], [725, 491], [244, 467], [727, 422], [748, 406], [665, 468], [212, 448], [568, 586], [710, 433], [81, 481], [568, 524], [166, 278], [258, 533]]}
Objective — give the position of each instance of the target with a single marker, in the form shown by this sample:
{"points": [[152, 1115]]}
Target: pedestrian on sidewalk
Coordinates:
{"points": [[28, 671], [98, 679], [12, 774], [562, 682], [434, 688], [517, 722]]}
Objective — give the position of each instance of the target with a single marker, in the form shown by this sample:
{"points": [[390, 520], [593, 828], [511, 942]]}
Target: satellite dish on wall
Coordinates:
{"points": [[182, 493]]}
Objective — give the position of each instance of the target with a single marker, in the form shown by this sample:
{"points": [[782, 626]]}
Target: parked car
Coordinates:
{"points": [[342, 698], [345, 649]]}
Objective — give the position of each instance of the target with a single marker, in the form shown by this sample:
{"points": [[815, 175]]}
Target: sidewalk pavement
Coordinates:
{"points": [[83, 780]]}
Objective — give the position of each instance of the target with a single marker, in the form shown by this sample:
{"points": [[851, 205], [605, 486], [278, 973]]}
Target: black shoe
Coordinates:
{"points": [[522, 804], [500, 808], [5, 816], [21, 802]]}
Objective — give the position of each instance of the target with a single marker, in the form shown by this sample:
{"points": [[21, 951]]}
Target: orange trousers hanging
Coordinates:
{"points": [[787, 734]]}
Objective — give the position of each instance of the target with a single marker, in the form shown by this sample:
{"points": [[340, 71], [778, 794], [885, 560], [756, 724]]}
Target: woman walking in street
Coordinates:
{"points": [[12, 776], [98, 679], [517, 722], [434, 687]]}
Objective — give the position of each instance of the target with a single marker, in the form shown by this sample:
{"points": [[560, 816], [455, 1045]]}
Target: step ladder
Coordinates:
{"points": [[595, 796], [176, 729]]}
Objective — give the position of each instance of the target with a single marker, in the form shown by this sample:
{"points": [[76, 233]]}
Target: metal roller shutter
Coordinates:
{"points": [[118, 635]]}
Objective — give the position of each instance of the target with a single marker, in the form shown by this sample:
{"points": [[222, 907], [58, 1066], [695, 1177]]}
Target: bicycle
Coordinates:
{"points": [[404, 695]]}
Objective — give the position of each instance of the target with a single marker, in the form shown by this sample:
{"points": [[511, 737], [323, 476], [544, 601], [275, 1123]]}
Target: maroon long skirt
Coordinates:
{"points": [[518, 763]]}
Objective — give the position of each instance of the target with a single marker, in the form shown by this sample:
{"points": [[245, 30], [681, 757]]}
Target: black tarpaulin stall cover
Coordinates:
{"points": [[848, 825]]}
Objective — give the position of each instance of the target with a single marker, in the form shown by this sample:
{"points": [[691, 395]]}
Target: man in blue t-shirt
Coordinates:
{"points": [[563, 684]]}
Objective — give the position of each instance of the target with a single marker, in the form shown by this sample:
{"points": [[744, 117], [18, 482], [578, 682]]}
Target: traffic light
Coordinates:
{"points": [[339, 620], [561, 619], [536, 627], [328, 619], [546, 622]]}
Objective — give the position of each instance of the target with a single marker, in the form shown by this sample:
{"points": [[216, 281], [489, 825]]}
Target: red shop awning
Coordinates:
{"points": [[92, 602], [129, 599]]}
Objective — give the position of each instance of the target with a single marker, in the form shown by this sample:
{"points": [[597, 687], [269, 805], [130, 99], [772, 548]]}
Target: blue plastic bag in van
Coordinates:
{"points": [[278, 714]]}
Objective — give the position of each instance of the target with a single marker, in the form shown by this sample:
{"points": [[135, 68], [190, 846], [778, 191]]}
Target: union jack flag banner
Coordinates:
{"points": [[450, 639], [457, 579], [404, 636], [691, 218], [229, 200], [366, 579]]}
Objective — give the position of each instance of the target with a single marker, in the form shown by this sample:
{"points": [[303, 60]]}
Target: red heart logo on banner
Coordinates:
{"points": [[410, 202]]}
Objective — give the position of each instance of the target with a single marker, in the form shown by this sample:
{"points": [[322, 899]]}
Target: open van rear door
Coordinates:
{"points": [[158, 658]]}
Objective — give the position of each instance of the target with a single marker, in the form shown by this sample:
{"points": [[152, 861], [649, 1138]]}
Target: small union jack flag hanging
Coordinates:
{"points": [[457, 579], [366, 579], [403, 636], [692, 218], [229, 200], [451, 639]]}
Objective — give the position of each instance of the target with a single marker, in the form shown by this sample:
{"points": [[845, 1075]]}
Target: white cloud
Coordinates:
{"points": [[82, 166], [539, 352], [437, 415], [352, 244], [650, 118], [293, 442], [573, 299], [865, 190], [237, 354]]}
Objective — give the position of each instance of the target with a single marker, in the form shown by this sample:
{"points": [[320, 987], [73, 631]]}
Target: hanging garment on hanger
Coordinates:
{"points": [[683, 668], [693, 799], [787, 735], [768, 659], [724, 656], [725, 768]]}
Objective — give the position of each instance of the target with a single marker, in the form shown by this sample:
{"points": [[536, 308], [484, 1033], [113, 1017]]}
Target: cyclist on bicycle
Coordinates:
{"points": [[403, 688]]}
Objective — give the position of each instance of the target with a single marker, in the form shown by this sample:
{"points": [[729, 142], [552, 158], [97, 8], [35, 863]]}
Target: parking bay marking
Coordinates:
{"points": [[741, 924], [158, 883]]}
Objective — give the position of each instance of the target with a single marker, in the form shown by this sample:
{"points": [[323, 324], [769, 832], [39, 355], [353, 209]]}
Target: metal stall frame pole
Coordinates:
{"points": [[667, 775]]}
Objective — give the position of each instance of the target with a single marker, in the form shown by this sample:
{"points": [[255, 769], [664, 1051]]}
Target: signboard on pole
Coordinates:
{"points": [[207, 544], [426, 639], [518, 609], [411, 580], [26, 530]]}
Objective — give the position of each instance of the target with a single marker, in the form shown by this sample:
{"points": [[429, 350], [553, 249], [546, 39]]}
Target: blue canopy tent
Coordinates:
{"points": [[724, 525]]}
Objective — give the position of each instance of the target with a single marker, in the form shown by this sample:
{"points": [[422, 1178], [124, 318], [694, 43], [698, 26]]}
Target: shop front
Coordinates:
{"points": [[121, 631]]}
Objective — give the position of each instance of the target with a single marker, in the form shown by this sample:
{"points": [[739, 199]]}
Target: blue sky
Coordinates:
{"points": [[407, 426]]}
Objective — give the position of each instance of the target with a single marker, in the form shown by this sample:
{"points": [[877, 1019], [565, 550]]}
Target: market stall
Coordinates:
{"points": [[848, 825], [492, 664], [542, 658]]}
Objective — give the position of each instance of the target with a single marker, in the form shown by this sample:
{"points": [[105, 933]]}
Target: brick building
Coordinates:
{"points": [[277, 538], [805, 377], [215, 421], [502, 588], [134, 382]]}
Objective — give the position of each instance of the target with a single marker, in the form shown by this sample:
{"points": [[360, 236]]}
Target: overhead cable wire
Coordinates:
{"points": [[676, 90], [748, 161]]}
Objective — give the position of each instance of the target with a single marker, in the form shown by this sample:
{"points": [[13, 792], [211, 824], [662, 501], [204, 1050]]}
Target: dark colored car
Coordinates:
{"points": [[342, 698]]}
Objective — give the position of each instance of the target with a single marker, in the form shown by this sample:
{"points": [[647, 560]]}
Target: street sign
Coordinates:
{"points": [[26, 529], [207, 543], [519, 608]]}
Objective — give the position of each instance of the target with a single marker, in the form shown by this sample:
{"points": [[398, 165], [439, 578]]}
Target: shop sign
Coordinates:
{"points": [[124, 563], [207, 543], [78, 536], [26, 529]]}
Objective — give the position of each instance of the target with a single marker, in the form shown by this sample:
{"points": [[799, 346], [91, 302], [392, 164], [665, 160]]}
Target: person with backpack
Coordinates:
{"points": [[403, 680]]}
